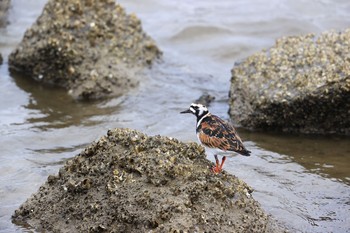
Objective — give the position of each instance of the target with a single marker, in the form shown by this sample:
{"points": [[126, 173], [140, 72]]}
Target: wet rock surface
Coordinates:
{"points": [[4, 8], [302, 85], [130, 182], [92, 48]]}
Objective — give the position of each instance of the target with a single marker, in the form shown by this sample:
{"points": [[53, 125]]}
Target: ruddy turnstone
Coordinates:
{"points": [[215, 133]]}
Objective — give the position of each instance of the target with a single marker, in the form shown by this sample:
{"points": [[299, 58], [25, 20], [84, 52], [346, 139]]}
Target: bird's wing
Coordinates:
{"points": [[213, 132]]}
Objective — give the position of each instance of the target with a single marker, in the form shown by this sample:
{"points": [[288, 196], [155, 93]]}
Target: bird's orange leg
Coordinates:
{"points": [[222, 162], [218, 167]]}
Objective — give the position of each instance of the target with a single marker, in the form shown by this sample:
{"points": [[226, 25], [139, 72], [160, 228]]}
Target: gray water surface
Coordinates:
{"points": [[302, 181]]}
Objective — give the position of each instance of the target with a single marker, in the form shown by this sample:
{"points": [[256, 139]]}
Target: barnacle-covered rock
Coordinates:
{"points": [[130, 182], [302, 84], [92, 48]]}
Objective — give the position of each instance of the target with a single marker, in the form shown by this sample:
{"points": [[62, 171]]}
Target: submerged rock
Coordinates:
{"points": [[4, 8], [92, 48], [130, 182], [205, 99], [302, 84]]}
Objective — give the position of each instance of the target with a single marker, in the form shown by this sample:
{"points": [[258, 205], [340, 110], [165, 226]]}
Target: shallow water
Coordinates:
{"points": [[302, 181]]}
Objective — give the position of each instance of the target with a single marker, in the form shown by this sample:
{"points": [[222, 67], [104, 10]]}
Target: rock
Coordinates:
{"points": [[205, 99], [4, 7], [130, 182], [301, 85], [92, 48]]}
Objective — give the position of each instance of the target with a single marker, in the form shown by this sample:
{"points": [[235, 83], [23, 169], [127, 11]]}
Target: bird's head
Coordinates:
{"points": [[198, 110]]}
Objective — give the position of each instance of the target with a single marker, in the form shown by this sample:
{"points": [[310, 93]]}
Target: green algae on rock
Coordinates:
{"points": [[302, 85], [92, 48], [130, 182]]}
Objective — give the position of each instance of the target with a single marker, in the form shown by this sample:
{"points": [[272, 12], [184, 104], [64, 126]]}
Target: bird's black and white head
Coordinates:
{"points": [[198, 110]]}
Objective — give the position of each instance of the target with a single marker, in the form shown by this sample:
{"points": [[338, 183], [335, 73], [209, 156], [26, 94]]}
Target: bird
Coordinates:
{"points": [[215, 133]]}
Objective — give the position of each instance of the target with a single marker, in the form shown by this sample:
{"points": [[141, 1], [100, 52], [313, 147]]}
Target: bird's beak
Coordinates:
{"points": [[186, 111]]}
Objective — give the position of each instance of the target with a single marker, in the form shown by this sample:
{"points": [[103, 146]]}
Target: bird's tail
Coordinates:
{"points": [[245, 152]]}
